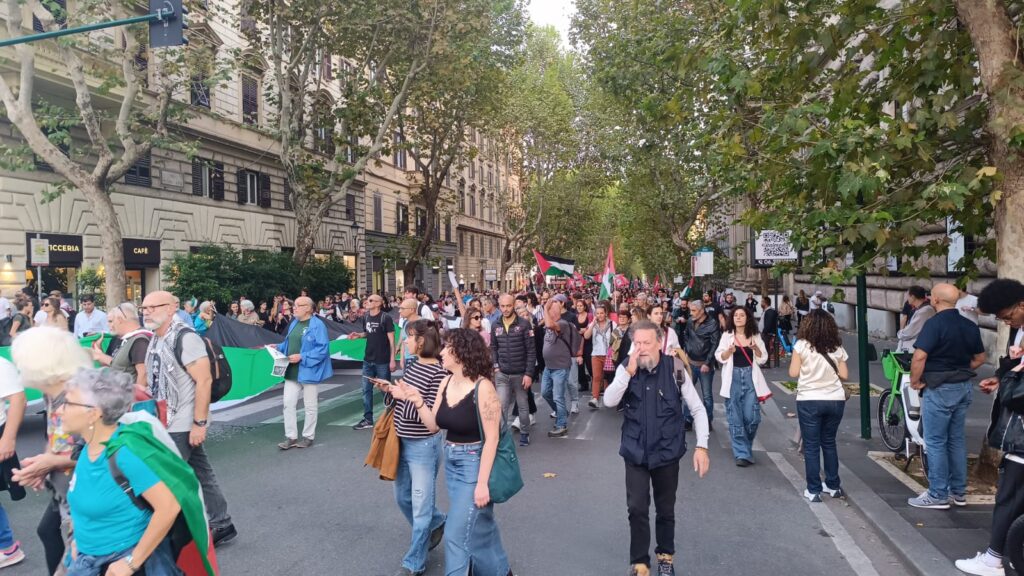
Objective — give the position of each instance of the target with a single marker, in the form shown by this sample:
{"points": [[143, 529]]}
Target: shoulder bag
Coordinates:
{"points": [[846, 392], [1011, 390], [506, 480]]}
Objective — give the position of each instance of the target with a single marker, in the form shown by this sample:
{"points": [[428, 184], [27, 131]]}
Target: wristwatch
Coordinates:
{"points": [[128, 560], [200, 422]]}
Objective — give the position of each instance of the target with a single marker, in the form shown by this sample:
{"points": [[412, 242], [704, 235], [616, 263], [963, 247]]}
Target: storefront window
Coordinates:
{"points": [[133, 286], [62, 279], [353, 267]]}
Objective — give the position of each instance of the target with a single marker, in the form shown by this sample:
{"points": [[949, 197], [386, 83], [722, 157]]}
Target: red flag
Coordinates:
{"points": [[657, 284]]}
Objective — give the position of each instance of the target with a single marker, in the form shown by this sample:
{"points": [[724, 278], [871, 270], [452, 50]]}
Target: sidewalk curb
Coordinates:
{"points": [[917, 553]]}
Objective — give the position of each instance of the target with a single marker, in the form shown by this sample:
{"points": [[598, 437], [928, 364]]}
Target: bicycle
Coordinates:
{"points": [[899, 410]]}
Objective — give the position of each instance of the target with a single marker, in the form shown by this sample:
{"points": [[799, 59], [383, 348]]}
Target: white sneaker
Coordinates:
{"points": [[593, 403], [532, 420], [515, 424], [575, 407], [553, 414], [979, 566], [12, 556]]}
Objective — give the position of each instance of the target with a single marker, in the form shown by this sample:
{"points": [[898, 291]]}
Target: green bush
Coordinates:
{"points": [[222, 274], [91, 281]]}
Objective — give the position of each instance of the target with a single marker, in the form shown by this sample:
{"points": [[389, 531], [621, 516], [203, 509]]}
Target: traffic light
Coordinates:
{"points": [[169, 29]]}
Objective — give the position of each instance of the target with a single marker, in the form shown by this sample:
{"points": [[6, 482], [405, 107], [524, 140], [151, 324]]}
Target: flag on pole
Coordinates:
{"points": [[554, 266], [621, 281], [688, 290], [608, 277], [657, 284]]}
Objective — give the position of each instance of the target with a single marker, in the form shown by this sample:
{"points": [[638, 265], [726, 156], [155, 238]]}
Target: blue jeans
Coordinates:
{"points": [[944, 410], [703, 382], [819, 424], [6, 535], [415, 485], [552, 388], [743, 412], [471, 534], [159, 562], [372, 370]]}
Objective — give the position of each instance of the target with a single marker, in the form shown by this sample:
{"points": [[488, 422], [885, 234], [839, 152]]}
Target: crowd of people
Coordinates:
{"points": [[125, 453]]}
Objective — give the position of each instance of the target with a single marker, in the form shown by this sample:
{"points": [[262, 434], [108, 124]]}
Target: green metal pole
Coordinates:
{"points": [[81, 29], [862, 356]]}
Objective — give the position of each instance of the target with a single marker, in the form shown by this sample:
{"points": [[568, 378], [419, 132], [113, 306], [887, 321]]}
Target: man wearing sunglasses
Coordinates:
{"points": [[379, 359]]}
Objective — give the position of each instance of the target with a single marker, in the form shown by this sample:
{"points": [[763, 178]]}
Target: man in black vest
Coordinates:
{"points": [[652, 402]]}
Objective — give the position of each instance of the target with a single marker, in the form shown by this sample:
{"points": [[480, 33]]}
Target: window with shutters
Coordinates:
{"points": [[327, 67], [352, 149], [472, 203], [421, 222], [378, 216], [250, 100], [462, 199], [199, 92], [59, 9], [448, 229], [249, 188], [462, 243], [140, 174], [472, 170], [437, 229], [480, 173], [402, 219], [472, 244], [490, 178], [350, 207], [399, 156], [202, 178]]}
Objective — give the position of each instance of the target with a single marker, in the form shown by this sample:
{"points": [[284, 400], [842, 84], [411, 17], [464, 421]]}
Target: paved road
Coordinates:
{"points": [[318, 511]]}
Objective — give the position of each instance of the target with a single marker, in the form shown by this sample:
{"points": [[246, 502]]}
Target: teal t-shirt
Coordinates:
{"points": [[105, 519], [295, 347]]}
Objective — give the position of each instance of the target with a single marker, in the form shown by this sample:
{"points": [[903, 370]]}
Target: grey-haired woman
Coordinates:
{"points": [[109, 530]]}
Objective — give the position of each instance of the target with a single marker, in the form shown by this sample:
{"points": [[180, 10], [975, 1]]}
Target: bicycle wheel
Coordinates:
{"points": [[891, 424], [1014, 550]]}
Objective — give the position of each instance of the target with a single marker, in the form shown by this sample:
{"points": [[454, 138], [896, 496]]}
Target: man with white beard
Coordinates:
{"points": [[652, 401]]}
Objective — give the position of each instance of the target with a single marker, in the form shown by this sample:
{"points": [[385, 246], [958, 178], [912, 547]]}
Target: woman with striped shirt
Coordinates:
{"points": [[420, 454]]}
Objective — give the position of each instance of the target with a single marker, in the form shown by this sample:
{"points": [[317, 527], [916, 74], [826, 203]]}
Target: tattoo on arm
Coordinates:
{"points": [[490, 411]]}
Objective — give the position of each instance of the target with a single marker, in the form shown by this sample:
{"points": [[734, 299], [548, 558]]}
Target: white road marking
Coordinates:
{"points": [[229, 413], [323, 406], [844, 543]]}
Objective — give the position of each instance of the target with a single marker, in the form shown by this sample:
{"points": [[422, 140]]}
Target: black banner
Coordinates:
{"points": [[141, 253], [65, 249]]}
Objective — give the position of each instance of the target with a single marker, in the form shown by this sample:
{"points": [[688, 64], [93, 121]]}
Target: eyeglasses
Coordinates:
{"points": [[79, 404], [146, 309], [474, 317], [1007, 315], [45, 304]]}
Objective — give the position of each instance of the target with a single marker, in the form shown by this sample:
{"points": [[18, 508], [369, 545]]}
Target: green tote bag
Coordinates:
{"points": [[506, 480]]}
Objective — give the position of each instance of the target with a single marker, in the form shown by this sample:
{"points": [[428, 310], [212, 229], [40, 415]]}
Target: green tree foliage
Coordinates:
{"points": [[222, 274]]}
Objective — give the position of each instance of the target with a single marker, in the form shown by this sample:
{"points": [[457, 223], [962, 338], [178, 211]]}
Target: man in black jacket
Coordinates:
{"points": [[1005, 299], [702, 335], [769, 327], [514, 355]]}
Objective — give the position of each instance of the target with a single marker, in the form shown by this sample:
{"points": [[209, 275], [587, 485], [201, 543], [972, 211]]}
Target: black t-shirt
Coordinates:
{"points": [[739, 359], [908, 311], [378, 330]]}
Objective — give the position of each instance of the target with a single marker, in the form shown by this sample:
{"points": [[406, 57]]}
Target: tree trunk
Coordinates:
{"points": [[994, 38], [110, 241], [308, 219], [412, 264]]}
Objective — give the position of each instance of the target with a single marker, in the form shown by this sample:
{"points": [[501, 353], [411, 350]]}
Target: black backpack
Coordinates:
{"points": [[220, 370], [5, 331]]}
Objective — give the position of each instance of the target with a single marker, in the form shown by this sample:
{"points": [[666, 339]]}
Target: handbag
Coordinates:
{"points": [[1011, 391], [763, 394], [846, 391], [506, 479]]}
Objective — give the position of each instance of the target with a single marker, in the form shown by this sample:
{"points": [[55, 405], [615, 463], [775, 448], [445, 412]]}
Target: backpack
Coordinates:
{"points": [[828, 306], [5, 330], [220, 370]]}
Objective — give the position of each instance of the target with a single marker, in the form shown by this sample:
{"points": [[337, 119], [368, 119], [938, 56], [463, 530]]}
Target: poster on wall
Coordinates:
{"points": [[770, 248], [39, 252]]}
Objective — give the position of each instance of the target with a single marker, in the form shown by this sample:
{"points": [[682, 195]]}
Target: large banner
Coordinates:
{"points": [[244, 348]]}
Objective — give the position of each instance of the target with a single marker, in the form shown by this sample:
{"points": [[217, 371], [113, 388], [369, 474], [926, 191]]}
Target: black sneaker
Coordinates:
{"points": [[436, 536], [558, 432], [363, 425], [524, 439], [224, 534], [743, 462]]}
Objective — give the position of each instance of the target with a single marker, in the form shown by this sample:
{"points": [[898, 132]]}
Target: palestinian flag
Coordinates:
{"points": [[688, 290], [554, 266], [621, 281], [608, 277]]}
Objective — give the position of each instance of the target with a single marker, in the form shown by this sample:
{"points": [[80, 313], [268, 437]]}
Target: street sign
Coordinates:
{"points": [[490, 275], [770, 248], [39, 249], [702, 263]]}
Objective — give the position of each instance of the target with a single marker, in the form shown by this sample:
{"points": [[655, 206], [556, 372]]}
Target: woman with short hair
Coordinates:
{"points": [[819, 364], [420, 454], [468, 408], [47, 358], [108, 528], [248, 313]]}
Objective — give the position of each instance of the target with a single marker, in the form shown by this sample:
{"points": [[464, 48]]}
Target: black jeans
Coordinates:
{"points": [[216, 505], [1009, 502], [639, 481], [49, 533]]}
